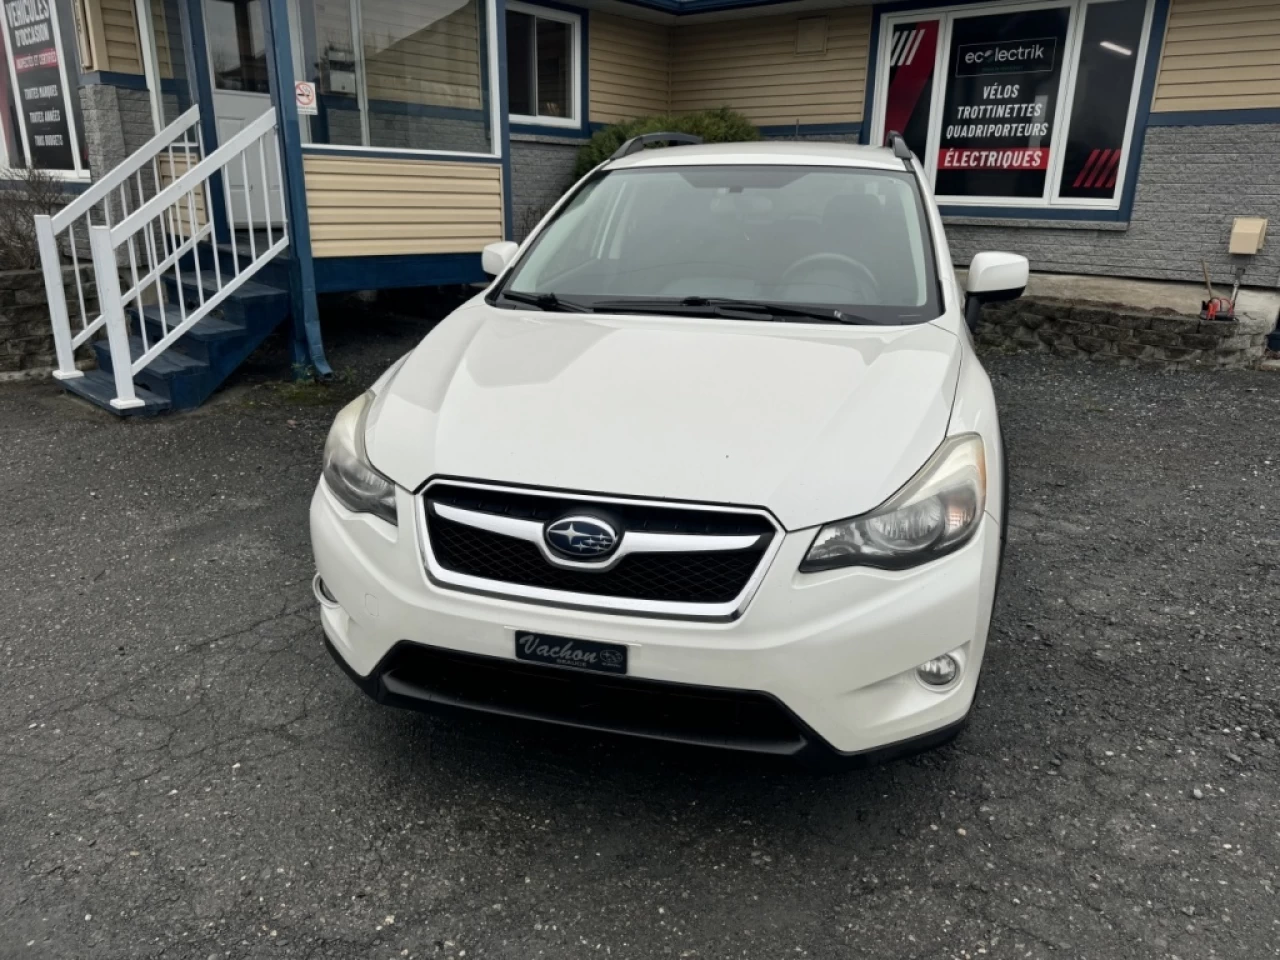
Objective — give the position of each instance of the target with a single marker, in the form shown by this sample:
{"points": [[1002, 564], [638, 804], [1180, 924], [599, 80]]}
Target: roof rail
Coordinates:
{"points": [[642, 141], [900, 148]]}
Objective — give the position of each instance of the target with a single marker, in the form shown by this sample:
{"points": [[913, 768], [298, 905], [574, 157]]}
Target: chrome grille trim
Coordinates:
{"points": [[641, 542]]}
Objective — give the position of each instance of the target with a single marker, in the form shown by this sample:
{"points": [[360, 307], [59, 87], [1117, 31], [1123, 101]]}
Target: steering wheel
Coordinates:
{"points": [[805, 263]]}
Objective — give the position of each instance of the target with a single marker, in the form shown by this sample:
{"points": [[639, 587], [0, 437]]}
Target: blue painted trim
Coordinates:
{"points": [[538, 130], [308, 344], [504, 123], [1146, 93], [1213, 118], [682, 7], [811, 129], [17, 183], [338, 274], [1034, 213], [330, 150], [399, 108], [873, 70], [198, 67], [129, 81]]}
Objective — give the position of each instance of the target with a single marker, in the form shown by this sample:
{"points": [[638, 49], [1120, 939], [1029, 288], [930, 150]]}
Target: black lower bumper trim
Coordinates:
{"points": [[433, 679]]}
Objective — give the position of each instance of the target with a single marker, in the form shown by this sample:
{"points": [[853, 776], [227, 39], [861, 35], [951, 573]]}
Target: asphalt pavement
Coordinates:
{"points": [[186, 774]]}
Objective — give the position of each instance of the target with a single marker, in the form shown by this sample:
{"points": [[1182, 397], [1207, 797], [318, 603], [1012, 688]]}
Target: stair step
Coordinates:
{"points": [[208, 329], [99, 388], [170, 363], [248, 292]]}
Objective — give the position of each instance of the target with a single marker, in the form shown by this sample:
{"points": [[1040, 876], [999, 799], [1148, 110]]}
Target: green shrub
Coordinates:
{"points": [[713, 126]]}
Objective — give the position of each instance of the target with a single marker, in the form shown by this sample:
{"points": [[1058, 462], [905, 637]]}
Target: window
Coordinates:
{"points": [[830, 237], [402, 74], [1025, 104], [40, 123], [542, 66]]}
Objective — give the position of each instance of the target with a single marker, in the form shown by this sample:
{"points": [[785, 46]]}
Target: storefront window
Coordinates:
{"points": [[41, 124], [1026, 106], [402, 75], [542, 57]]}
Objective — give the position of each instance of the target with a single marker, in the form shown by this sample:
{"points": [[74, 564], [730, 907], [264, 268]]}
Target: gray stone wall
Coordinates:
{"points": [[1120, 335], [117, 121], [26, 339], [541, 171], [1192, 183]]}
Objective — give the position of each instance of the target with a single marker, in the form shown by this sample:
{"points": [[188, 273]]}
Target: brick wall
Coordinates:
{"points": [[541, 171], [1192, 183]]}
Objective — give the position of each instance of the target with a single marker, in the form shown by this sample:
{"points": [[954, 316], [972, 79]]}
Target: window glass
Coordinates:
{"points": [[338, 119], [1100, 112], [521, 82], [853, 240], [1001, 96], [539, 65], [400, 75], [237, 45], [913, 52], [554, 55]]}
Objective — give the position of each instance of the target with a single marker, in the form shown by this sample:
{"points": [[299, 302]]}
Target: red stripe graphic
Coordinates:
{"points": [[1115, 170], [1102, 165], [1084, 172], [910, 79]]}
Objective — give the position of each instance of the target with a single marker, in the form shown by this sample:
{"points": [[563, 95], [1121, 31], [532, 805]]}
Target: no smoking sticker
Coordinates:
{"points": [[304, 92]]}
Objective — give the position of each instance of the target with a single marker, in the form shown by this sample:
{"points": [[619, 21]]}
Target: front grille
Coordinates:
{"points": [[669, 711], [715, 577], [674, 577]]}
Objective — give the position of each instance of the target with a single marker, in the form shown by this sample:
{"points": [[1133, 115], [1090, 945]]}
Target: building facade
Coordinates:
{"points": [[1103, 137]]}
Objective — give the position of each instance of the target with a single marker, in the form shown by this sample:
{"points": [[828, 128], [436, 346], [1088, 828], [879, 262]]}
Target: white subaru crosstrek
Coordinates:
{"points": [[711, 461]]}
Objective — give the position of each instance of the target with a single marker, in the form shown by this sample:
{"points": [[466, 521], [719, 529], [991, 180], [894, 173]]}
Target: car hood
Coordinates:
{"points": [[811, 423]]}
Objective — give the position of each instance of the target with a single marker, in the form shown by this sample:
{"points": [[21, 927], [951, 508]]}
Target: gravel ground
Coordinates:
{"points": [[187, 774]]}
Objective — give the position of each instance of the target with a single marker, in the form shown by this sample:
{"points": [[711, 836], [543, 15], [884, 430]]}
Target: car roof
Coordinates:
{"points": [[782, 152]]}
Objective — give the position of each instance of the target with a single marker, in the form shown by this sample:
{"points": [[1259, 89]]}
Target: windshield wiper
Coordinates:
{"points": [[729, 307], [544, 301]]}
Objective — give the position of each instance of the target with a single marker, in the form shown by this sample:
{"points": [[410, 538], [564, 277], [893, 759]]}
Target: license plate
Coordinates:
{"points": [[566, 652]]}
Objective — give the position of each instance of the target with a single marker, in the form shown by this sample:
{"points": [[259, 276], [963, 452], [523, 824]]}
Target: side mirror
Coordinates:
{"points": [[994, 277], [496, 256]]}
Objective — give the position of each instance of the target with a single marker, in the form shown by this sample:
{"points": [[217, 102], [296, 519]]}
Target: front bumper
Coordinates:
{"points": [[834, 653]]}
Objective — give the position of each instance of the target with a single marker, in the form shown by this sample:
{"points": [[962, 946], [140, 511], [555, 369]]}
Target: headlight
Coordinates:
{"points": [[347, 470], [936, 512]]}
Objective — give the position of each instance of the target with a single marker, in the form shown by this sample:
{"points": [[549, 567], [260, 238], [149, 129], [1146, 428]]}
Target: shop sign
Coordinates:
{"points": [[31, 38], [1001, 98]]}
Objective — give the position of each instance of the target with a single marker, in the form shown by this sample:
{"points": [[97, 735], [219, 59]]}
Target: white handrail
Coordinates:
{"points": [[115, 185], [117, 176], [196, 175], [176, 248]]}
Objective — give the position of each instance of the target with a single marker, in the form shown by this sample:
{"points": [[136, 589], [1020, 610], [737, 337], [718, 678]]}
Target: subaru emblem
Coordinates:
{"points": [[581, 538]]}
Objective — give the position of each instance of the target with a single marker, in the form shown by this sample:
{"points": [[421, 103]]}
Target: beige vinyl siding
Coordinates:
{"points": [[752, 66], [113, 37], [629, 68], [427, 52], [121, 33], [372, 207], [1220, 55], [171, 170]]}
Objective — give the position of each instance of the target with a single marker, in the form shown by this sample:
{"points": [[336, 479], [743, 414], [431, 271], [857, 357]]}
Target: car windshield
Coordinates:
{"points": [[852, 242]]}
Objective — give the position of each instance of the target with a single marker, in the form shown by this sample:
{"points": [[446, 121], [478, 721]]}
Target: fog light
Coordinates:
{"points": [[939, 672], [321, 590]]}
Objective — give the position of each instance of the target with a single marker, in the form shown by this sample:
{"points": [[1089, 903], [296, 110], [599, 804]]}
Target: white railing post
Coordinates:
{"points": [[54, 293], [104, 268]]}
